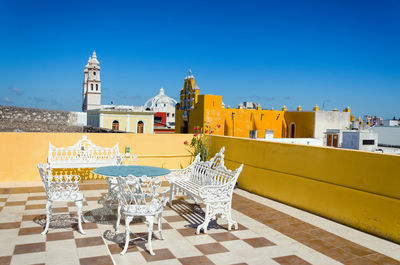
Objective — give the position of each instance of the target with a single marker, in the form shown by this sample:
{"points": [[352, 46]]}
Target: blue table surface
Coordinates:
{"points": [[116, 171]]}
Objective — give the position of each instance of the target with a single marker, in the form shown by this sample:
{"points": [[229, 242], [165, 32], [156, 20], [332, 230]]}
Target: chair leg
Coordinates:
{"points": [[229, 217], [150, 220], [171, 194], [128, 220], [79, 205], [118, 218], [207, 219], [159, 223], [49, 209]]}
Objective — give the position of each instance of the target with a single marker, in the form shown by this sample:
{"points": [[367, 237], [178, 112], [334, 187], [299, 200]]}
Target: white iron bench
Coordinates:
{"points": [[210, 182], [84, 154]]}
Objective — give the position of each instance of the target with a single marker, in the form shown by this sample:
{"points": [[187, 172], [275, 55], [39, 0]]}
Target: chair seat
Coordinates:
{"points": [[66, 196], [153, 208], [189, 186]]}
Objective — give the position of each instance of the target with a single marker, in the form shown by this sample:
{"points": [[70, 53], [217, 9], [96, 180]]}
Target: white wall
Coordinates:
{"points": [[351, 140], [390, 123], [81, 118], [388, 135], [93, 119], [330, 120], [354, 140]]}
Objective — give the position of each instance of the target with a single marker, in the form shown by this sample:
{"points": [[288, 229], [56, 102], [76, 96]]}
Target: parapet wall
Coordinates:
{"points": [[359, 189], [21, 152], [40, 120]]}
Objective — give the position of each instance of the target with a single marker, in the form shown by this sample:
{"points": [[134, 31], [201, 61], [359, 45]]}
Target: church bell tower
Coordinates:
{"points": [[91, 98]]}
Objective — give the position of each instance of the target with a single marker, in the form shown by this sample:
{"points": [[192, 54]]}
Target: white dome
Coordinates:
{"points": [[159, 102]]}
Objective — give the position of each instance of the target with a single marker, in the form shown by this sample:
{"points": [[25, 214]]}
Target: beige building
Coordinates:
{"points": [[123, 118]]}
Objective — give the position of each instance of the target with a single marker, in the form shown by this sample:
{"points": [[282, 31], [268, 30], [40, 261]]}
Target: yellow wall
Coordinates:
{"points": [[209, 111], [123, 121], [305, 123], [359, 189], [245, 120], [109, 118], [21, 152]]}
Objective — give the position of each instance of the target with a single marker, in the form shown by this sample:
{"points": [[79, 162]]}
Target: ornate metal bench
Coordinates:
{"points": [[84, 154], [210, 182]]}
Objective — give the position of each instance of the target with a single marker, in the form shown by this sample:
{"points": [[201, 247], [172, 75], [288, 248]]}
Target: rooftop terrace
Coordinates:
{"points": [[295, 205], [269, 233]]}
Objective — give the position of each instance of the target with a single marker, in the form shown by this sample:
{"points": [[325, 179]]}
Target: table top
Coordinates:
{"points": [[123, 171]]}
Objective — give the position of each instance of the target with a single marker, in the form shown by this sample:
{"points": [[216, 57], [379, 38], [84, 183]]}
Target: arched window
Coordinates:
{"points": [[140, 127], [91, 85], [94, 73], [97, 87], [292, 133], [115, 125]]}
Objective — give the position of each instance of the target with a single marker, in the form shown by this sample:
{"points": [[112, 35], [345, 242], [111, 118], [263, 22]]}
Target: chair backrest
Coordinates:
{"points": [[222, 175], [59, 187], [218, 159], [45, 172], [140, 194], [84, 151]]}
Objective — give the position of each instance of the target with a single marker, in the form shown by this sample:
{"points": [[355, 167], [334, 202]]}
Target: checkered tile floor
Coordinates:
{"points": [[265, 235]]}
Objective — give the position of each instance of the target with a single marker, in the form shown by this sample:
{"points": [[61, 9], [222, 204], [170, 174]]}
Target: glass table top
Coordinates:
{"points": [[116, 171]]}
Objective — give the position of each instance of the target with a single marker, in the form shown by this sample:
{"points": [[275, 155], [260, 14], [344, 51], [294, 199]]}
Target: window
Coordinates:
{"points": [[167, 114], [173, 115], [140, 126], [292, 130], [253, 134], [115, 125], [97, 87], [368, 142], [158, 119], [91, 86], [94, 73]]}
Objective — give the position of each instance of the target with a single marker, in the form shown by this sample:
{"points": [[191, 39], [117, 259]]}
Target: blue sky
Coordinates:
{"points": [[331, 53]]}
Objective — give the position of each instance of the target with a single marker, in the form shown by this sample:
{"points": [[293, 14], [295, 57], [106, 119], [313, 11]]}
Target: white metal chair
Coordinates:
{"points": [[140, 196], [63, 188]]}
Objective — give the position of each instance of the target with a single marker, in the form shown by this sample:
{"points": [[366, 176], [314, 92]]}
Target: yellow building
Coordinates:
{"points": [[208, 111], [123, 119]]}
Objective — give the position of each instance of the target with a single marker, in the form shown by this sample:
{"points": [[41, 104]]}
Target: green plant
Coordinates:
{"points": [[200, 142]]}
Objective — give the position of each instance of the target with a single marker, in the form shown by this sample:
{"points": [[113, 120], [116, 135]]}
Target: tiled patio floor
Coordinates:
{"points": [[269, 233]]}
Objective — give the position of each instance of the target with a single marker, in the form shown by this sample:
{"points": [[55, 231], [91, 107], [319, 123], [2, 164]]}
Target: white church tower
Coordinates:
{"points": [[91, 85]]}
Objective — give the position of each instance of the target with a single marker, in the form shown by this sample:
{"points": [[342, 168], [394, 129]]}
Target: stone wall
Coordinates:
{"points": [[37, 120], [43, 120]]}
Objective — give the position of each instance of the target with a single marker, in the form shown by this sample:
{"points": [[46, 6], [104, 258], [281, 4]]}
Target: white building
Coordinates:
{"points": [[162, 103], [360, 140], [390, 123], [91, 96], [325, 120]]}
